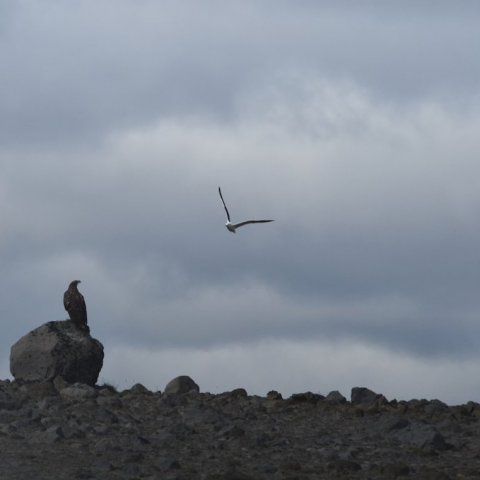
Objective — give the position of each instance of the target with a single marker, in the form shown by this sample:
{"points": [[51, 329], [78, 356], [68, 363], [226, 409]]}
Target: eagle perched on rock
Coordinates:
{"points": [[74, 304]]}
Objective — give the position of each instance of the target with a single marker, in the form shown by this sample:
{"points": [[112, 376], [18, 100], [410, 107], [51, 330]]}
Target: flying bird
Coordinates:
{"points": [[74, 304], [233, 226]]}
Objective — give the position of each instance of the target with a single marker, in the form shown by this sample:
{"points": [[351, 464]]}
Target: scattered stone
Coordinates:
{"points": [[181, 384], [335, 397], [234, 432], [236, 393], [68, 430], [431, 440], [394, 470], [60, 383], [431, 473], [50, 435], [341, 466], [38, 390], [435, 407], [57, 348], [395, 423], [307, 397], [78, 390], [274, 395], [366, 397], [139, 388], [423, 436]]}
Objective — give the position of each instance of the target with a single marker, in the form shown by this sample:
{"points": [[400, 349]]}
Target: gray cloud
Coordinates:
{"points": [[72, 73], [356, 129]]}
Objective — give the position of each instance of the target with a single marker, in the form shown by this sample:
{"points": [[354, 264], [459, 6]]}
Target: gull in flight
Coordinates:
{"points": [[233, 226]]}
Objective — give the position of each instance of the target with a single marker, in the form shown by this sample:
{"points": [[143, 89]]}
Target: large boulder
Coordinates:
{"points": [[57, 348]]}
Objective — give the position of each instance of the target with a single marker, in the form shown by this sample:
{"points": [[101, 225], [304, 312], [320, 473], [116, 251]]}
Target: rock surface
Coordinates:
{"points": [[73, 431], [181, 384], [365, 396], [57, 349]]}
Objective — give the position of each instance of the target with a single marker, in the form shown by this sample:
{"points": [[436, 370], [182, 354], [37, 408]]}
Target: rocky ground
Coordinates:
{"points": [[54, 430]]}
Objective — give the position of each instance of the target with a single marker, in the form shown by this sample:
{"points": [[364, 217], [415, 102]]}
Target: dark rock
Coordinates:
{"points": [[436, 407], [38, 390], [394, 470], [235, 432], [432, 440], [230, 475], [274, 395], [57, 348], [307, 397], [50, 435], [60, 383], [181, 384], [274, 402], [84, 473], [263, 440], [139, 388], [78, 390], [431, 473], [396, 423], [174, 465], [341, 466], [335, 397], [236, 393], [422, 436], [364, 396], [416, 404]]}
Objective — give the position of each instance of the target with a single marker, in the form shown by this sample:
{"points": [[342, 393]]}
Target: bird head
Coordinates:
{"points": [[74, 283]]}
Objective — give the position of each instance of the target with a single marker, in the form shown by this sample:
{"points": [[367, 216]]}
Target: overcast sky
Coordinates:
{"points": [[354, 124]]}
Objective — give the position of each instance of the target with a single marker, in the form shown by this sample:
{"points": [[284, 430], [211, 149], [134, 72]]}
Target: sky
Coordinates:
{"points": [[354, 125]]}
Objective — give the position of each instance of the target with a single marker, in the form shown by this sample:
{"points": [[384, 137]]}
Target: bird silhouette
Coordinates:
{"points": [[233, 226]]}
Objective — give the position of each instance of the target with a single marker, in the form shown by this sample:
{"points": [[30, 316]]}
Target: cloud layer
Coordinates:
{"points": [[358, 138]]}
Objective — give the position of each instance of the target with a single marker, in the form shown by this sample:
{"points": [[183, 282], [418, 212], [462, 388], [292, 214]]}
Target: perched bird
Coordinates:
{"points": [[74, 304], [233, 226]]}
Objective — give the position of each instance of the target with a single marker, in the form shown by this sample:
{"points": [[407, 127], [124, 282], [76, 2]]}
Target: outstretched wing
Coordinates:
{"points": [[224, 206], [237, 225]]}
